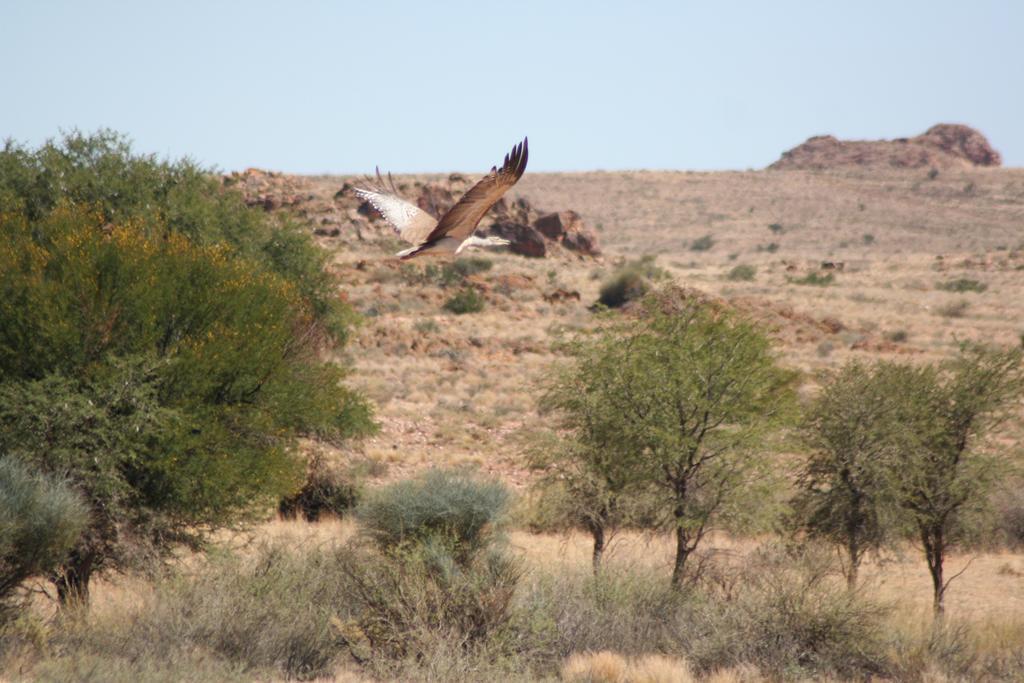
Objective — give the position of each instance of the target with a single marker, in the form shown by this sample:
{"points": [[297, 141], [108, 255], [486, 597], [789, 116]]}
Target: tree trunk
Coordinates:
{"points": [[853, 551], [682, 552], [73, 580], [597, 531], [935, 554]]}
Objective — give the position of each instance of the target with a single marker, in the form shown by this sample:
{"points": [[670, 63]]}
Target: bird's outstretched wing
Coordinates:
{"points": [[410, 222], [462, 219]]}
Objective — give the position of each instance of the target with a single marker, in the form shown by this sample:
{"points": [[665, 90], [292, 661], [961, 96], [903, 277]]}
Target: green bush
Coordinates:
{"points": [[466, 300], [630, 282], [702, 243], [953, 309], [101, 173], [897, 336], [1008, 507], [742, 273], [961, 285], [454, 510], [814, 279], [41, 518], [160, 343]]}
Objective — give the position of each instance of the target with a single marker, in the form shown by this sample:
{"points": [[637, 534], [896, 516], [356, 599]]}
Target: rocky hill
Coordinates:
{"points": [[942, 146], [338, 214]]}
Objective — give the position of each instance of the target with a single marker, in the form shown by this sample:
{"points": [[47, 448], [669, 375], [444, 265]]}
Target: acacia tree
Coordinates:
{"points": [[674, 402], [944, 470], [162, 346], [845, 489]]}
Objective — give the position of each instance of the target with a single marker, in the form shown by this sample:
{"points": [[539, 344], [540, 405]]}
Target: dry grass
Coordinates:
{"points": [[459, 390]]}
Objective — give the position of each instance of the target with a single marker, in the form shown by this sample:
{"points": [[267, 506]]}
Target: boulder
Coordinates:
{"points": [[555, 225], [962, 141], [523, 239]]}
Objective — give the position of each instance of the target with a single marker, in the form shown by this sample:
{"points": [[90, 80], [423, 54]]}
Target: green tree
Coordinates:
{"points": [[944, 469], [40, 520], [162, 346], [677, 401], [845, 489]]}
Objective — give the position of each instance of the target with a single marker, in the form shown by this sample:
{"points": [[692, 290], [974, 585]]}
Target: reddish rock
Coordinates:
{"points": [[943, 146], [523, 239], [962, 141], [555, 225], [435, 199], [832, 325], [559, 295], [367, 209], [582, 242]]}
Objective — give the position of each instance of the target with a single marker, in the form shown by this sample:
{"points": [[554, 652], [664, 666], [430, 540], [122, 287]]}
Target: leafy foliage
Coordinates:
{"points": [[466, 300], [961, 285], [674, 402], [446, 508], [814, 279], [41, 518], [742, 273], [845, 490], [702, 243], [944, 471], [160, 343]]}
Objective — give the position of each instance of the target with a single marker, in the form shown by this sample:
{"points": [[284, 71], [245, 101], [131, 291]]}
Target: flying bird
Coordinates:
{"points": [[454, 232]]}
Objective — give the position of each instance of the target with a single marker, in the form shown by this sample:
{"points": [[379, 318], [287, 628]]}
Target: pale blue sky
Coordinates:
{"points": [[437, 86]]}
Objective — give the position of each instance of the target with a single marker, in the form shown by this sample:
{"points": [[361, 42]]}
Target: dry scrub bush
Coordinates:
{"points": [[327, 489], [785, 615], [256, 618], [407, 601], [630, 282]]}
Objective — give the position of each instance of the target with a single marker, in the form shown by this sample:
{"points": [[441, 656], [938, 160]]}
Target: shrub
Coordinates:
{"points": [[268, 615], [466, 300], [160, 343], [41, 518], [743, 272], [781, 613], [776, 228], [961, 285], [813, 279], [405, 600], [953, 309], [868, 238], [470, 265], [1008, 505], [447, 508], [771, 247], [790, 616], [630, 282], [897, 336], [327, 489], [702, 243]]}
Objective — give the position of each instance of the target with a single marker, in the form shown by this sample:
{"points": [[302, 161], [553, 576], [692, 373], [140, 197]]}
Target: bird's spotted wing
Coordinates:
{"points": [[462, 219], [410, 222]]}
